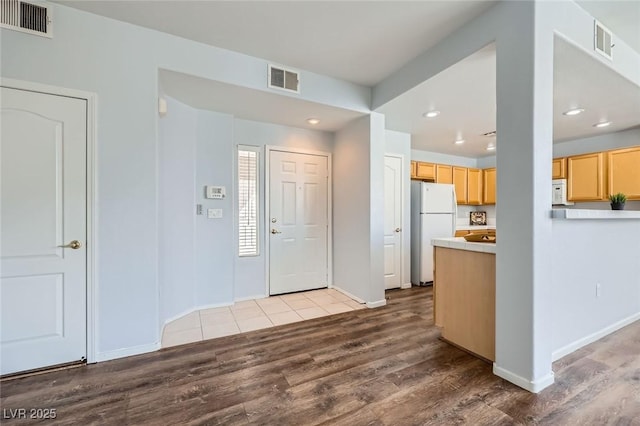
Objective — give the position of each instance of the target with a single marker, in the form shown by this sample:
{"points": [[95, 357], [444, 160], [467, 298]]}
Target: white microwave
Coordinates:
{"points": [[559, 192]]}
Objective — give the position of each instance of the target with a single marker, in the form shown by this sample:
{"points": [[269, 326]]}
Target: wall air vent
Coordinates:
{"points": [[27, 17], [602, 40], [280, 78]]}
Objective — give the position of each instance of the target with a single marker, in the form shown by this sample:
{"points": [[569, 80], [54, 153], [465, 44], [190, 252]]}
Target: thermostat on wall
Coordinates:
{"points": [[215, 192]]}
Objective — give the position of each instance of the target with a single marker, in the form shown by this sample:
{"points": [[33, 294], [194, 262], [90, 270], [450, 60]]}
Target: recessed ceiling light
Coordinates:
{"points": [[431, 114], [313, 121], [602, 124], [491, 147], [459, 141], [574, 111]]}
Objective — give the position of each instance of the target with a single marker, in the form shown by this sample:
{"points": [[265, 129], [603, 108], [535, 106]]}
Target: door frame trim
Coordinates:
{"points": [[91, 195], [402, 218], [267, 203]]}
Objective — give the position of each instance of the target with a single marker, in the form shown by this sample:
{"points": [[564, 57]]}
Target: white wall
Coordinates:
{"points": [[356, 213], [120, 63], [623, 139], [400, 144], [435, 157], [585, 253], [195, 253], [177, 143], [215, 240]]}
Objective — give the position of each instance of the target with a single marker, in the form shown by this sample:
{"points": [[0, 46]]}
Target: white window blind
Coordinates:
{"points": [[247, 201]]}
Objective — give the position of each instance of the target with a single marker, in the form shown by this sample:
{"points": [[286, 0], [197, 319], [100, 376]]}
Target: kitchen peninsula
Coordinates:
{"points": [[464, 290]]}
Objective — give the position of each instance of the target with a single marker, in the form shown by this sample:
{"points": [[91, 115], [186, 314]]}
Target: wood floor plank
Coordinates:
{"points": [[383, 367]]}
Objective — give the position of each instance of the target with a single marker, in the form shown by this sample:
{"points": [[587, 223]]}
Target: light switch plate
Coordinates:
{"points": [[214, 213]]}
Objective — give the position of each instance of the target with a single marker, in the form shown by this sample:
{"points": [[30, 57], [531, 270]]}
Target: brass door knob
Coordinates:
{"points": [[75, 245]]}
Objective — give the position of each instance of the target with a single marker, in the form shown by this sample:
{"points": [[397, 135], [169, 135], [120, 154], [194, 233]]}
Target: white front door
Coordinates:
{"points": [[392, 222], [298, 222], [43, 220]]}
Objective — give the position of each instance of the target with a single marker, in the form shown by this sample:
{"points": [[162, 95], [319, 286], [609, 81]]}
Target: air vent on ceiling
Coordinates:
{"points": [[280, 78], [602, 40], [491, 133], [28, 17]]}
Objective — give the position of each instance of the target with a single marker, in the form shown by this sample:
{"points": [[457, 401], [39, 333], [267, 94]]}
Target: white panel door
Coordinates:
{"points": [[298, 220], [43, 210], [392, 222]]}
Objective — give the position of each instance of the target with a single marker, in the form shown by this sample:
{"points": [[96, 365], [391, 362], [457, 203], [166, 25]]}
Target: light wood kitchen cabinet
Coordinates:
{"points": [[474, 187], [444, 173], [425, 171], [489, 190], [624, 172], [559, 168], [460, 183], [413, 169], [585, 177]]}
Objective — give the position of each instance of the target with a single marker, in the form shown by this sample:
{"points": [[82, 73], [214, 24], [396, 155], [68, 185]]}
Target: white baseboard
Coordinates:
{"points": [[346, 293], [124, 352], [377, 303], [257, 296], [405, 286], [534, 386], [574, 346]]}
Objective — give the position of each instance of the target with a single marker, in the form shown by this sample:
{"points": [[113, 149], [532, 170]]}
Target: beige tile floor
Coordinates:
{"points": [[252, 315]]}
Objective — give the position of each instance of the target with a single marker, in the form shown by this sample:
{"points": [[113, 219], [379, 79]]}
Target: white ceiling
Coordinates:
{"points": [[465, 94], [366, 41], [358, 41]]}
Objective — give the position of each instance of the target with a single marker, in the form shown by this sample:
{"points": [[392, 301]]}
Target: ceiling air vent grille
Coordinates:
{"points": [[602, 40], [27, 17], [280, 78]]}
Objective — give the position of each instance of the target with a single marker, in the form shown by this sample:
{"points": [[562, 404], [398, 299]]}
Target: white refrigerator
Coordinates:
{"points": [[433, 215]]}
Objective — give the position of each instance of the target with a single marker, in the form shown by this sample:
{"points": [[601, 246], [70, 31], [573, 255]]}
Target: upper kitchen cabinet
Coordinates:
{"points": [[559, 168], [444, 173], [414, 165], [460, 183], [474, 187], [624, 172], [489, 194], [426, 171], [585, 177]]}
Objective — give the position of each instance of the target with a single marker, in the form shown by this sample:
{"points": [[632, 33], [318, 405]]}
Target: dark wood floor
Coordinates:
{"points": [[383, 366]]}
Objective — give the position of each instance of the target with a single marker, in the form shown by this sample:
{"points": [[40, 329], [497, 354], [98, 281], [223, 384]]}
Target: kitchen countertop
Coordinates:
{"points": [[474, 227], [594, 214], [459, 243]]}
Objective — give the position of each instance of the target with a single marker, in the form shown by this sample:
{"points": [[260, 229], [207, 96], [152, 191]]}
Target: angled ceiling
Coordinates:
{"points": [[366, 41], [358, 41]]}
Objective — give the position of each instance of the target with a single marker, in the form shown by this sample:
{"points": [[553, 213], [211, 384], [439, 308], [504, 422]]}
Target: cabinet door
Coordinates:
{"points": [[559, 168], [489, 193], [460, 182], [426, 171], [413, 169], [624, 172], [444, 173], [585, 177], [474, 187]]}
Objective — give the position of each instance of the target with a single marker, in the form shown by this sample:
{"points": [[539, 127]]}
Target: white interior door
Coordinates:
{"points": [[392, 222], [298, 220], [43, 211]]}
